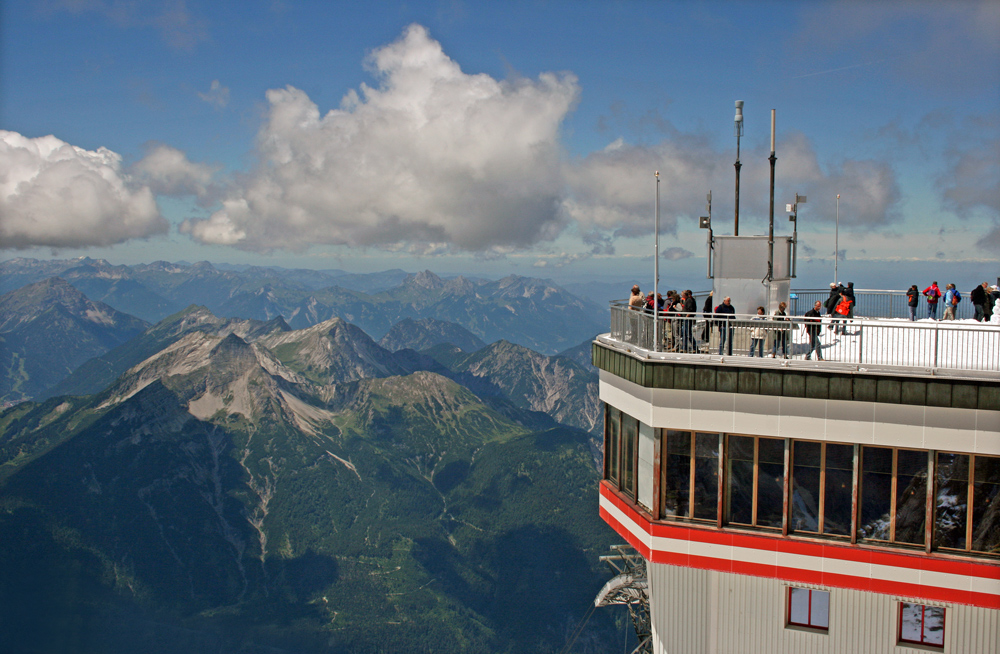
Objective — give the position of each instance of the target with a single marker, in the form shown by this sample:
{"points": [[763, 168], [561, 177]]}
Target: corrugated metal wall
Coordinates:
{"points": [[703, 612]]}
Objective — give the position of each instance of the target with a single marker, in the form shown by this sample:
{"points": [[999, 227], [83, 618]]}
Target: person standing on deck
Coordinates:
{"points": [[781, 333], [813, 326], [932, 293], [912, 300], [951, 300], [725, 313], [706, 313], [832, 302], [978, 298], [688, 309]]}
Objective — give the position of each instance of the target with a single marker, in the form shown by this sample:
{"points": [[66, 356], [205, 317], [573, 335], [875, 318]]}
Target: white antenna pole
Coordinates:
{"points": [[656, 269], [836, 244]]}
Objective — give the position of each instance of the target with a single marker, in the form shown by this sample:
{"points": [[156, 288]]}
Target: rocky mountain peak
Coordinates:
{"points": [[425, 280]]}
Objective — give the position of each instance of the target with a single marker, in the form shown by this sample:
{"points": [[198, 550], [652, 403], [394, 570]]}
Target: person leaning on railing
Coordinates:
{"points": [[912, 300], [780, 332]]}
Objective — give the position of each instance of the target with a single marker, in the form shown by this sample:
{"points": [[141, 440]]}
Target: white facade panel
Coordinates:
{"points": [[705, 612]]}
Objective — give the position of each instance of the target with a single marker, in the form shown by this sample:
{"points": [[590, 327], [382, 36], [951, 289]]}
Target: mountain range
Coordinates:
{"points": [[532, 312], [269, 478], [243, 486]]}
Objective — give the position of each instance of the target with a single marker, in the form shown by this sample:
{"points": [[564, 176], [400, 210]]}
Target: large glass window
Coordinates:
{"points": [[986, 505], [630, 443], [893, 495], [892, 488], [953, 528], [821, 487], [690, 470], [755, 470], [612, 443], [921, 624], [809, 608]]}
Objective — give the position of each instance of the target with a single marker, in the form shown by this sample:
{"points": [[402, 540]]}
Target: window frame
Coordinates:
{"points": [[980, 488], [893, 494], [691, 475], [821, 504], [810, 626], [900, 640], [754, 498], [614, 457], [970, 501]]}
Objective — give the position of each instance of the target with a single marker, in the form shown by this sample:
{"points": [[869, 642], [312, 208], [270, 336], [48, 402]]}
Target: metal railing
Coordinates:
{"points": [[874, 303], [951, 345]]}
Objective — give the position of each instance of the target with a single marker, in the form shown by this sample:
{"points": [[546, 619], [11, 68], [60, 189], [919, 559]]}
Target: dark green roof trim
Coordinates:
{"points": [[960, 394]]}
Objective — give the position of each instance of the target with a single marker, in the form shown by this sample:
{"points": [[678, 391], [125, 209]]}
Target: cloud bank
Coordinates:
{"points": [[55, 194], [431, 155]]}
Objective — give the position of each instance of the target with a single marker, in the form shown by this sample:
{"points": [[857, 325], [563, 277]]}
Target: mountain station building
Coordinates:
{"points": [[793, 505]]}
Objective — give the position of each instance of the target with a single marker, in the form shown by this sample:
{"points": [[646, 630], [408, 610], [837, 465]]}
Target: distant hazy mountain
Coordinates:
{"points": [[215, 498], [532, 312], [49, 328], [428, 332]]}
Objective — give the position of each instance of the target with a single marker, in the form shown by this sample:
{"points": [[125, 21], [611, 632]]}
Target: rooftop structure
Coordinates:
{"points": [[788, 504]]}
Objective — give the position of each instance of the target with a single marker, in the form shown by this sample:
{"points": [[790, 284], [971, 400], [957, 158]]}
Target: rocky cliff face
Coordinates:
{"points": [[553, 385]]}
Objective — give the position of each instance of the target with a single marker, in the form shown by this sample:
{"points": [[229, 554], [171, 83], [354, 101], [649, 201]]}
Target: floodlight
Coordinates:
{"points": [[705, 222]]}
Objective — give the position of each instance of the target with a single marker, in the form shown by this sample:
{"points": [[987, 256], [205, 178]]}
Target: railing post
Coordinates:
{"points": [[937, 337], [861, 342]]}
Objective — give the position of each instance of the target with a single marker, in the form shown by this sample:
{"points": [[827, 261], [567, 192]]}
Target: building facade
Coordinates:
{"points": [[792, 506]]}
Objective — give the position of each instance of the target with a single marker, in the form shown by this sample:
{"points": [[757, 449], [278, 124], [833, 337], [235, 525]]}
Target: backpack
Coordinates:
{"points": [[956, 297]]}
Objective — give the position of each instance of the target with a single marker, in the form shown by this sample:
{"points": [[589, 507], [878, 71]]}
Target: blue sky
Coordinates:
{"points": [[498, 137]]}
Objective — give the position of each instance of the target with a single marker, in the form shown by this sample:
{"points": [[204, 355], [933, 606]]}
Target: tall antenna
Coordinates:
{"points": [[738, 128], [656, 268]]}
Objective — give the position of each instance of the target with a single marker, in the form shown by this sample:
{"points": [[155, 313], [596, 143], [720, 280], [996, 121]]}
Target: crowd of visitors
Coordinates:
{"points": [[678, 313]]}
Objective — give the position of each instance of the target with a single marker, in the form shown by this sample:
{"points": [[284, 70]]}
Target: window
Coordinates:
{"points": [[921, 625], [755, 471], [621, 439], [690, 470], [821, 488], [612, 443], [630, 451], [809, 608], [893, 495], [960, 495]]}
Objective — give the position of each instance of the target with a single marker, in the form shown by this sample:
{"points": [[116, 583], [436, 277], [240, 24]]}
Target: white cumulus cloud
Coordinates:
{"points": [[167, 171], [55, 194], [430, 155]]}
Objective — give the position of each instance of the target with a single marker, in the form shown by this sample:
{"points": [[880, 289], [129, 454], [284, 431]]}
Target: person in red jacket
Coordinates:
{"points": [[933, 294]]}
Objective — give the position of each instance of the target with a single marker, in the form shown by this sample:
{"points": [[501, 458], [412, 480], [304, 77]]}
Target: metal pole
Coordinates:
{"points": [[770, 232], [656, 269], [836, 244], [738, 165]]}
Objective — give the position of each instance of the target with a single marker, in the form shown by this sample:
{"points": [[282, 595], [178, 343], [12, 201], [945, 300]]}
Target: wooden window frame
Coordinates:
{"points": [[724, 458], [821, 505], [893, 486], [969, 500], [662, 474]]}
